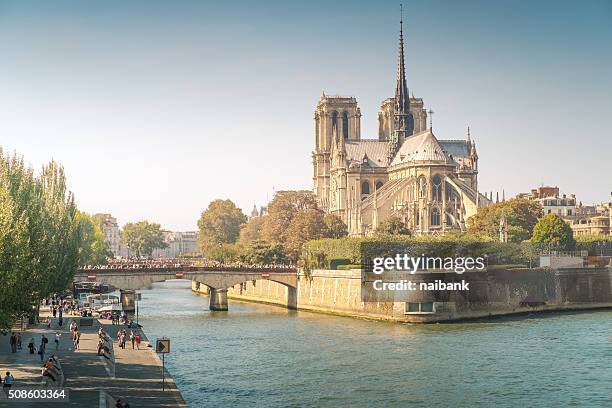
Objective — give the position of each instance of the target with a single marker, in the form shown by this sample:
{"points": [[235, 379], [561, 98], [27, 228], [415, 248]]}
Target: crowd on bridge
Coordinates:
{"points": [[177, 263], [160, 263]]}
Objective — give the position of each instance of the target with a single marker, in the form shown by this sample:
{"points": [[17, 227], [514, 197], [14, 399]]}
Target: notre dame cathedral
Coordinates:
{"points": [[431, 184]]}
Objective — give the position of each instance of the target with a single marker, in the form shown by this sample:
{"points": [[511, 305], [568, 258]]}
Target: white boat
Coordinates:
{"points": [[99, 300], [115, 307]]}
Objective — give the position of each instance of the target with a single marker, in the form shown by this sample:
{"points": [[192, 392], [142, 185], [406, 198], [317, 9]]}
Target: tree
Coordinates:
{"points": [[39, 236], [336, 228], [521, 217], [143, 237], [220, 224], [261, 252], [223, 252], [93, 248], [551, 229], [306, 225], [393, 225], [282, 209], [252, 230]]}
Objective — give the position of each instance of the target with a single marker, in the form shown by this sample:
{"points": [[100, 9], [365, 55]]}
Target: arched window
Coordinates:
{"points": [[435, 217], [436, 187], [345, 125], [365, 188], [379, 184]]}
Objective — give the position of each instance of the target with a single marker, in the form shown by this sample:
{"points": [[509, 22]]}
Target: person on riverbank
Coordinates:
{"points": [[13, 342], [32, 346], [58, 336], [42, 347], [122, 339], [76, 339], [137, 339], [132, 339], [8, 382]]}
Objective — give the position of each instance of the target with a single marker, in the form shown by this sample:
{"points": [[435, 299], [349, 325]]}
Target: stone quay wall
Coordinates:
{"points": [[492, 292]]}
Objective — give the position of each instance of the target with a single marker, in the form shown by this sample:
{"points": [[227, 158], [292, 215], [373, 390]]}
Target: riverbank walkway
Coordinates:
{"points": [[88, 377]]}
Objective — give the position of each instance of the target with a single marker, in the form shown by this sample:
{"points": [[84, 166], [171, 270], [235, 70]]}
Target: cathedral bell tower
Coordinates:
{"points": [[337, 115], [403, 125]]}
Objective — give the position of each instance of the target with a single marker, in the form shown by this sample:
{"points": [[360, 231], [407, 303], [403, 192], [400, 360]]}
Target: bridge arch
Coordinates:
{"points": [[218, 286]]}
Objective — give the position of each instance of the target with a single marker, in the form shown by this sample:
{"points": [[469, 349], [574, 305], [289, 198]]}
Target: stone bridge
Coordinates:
{"points": [[217, 279]]}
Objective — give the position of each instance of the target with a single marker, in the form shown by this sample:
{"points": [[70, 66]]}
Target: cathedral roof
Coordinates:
{"points": [[456, 148], [372, 151], [420, 147]]}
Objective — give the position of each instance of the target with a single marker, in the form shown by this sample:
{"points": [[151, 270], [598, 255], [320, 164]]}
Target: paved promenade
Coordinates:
{"points": [[137, 373]]}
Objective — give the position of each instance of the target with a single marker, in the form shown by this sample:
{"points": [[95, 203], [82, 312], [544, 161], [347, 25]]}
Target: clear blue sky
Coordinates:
{"points": [[156, 108]]}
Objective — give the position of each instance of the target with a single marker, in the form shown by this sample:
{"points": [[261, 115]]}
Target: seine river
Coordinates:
{"points": [[258, 355]]}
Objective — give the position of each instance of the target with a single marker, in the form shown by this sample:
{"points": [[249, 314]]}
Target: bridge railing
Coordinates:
{"points": [[233, 269]]}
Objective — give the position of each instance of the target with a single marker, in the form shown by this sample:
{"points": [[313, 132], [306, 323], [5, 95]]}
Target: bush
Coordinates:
{"points": [[319, 254]]}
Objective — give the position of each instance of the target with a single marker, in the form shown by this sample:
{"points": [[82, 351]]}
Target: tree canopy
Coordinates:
{"points": [[143, 237], [336, 228], [551, 229], [521, 217], [40, 236], [282, 209], [393, 225], [261, 252], [93, 249], [220, 224], [252, 230]]}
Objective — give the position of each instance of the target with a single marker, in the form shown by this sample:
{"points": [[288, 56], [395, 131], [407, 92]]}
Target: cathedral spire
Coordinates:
{"points": [[402, 101], [403, 119]]}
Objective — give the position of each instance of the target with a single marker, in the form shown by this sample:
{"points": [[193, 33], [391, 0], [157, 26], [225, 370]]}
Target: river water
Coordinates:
{"points": [[259, 355]]}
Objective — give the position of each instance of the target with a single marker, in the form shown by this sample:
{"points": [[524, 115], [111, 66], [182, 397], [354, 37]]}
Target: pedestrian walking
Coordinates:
{"points": [[137, 338], [132, 338], [13, 342], [19, 341], [8, 382], [58, 336], [42, 348], [77, 339]]}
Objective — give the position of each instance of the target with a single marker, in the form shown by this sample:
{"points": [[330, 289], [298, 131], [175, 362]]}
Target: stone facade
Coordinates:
{"points": [[112, 236], [492, 292], [179, 243], [406, 172]]}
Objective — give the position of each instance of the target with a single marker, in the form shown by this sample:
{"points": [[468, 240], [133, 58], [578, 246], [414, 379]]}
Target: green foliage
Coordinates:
{"points": [[348, 267], [143, 237], [220, 224], [225, 253], [40, 236], [552, 230], [521, 216], [594, 244], [336, 228], [93, 248], [393, 225], [321, 253], [261, 252]]}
